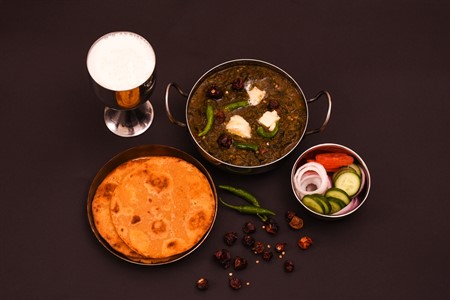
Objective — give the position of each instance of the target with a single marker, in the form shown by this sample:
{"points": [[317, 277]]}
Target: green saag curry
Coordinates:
{"points": [[246, 92]]}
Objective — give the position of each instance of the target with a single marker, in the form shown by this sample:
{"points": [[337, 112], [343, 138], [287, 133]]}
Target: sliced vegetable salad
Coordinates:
{"points": [[330, 183]]}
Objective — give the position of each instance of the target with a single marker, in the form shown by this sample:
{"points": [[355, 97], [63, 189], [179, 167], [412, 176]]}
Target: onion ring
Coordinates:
{"points": [[351, 206], [363, 182], [311, 174]]}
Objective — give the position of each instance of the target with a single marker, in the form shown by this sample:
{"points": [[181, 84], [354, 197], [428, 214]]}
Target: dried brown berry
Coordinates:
{"points": [[202, 284], [258, 247], [271, 226], [280, 247], [219, 117], [230, 238], [225, 141], [273, 104], [249, 228], [238, 84], [290, 215], [239, 263], [235, 283], [289, 266], [248, 240], [267, 255], [304, 242], [214, 92], [223, 257], [296, 222]]}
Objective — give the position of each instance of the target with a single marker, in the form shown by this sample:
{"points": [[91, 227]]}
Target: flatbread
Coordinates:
{"points": [[153, 208], [163, 207], [101, 211]]}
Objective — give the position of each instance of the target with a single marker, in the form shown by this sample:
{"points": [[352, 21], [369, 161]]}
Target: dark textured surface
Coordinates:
{"points": [[386, 64]]}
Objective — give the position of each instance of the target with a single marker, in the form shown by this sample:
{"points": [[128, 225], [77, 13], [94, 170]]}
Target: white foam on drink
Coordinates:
{"points": [[121, 61]]}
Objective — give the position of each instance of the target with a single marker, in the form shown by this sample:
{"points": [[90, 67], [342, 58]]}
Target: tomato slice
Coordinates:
{"points": [[333, 160]]}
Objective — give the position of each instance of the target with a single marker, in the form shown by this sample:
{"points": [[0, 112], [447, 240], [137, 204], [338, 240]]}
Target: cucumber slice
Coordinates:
{"points": [[336, 204], [341, 171], [324, 201], [350, 182], [313, 204], [339, 194], [356, 168]]}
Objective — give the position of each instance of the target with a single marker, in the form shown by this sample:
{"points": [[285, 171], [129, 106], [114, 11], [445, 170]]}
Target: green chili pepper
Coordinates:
{"points": [[267, 134], [244, 195], [262, 217], [209, 120], [246, 146], [241, 193], [249, 209], [235, 105]]}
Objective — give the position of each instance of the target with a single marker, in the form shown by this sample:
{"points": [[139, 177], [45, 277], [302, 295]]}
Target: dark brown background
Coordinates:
{"points": [[386, 64]]}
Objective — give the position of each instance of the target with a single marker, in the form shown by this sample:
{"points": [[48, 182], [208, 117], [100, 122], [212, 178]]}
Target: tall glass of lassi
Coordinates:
{"points": [[121, 66]]}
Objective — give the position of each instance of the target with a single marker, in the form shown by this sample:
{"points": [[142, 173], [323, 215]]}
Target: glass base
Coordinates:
{"points": [[129, 123]]}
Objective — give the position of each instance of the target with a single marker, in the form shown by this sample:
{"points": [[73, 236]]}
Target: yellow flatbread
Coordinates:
{"points": [[154, 208], [101, 211]]}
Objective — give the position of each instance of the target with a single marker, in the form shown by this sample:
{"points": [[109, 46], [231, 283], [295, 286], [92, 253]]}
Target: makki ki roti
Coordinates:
{"points": [[101, 211], [159, 207]]}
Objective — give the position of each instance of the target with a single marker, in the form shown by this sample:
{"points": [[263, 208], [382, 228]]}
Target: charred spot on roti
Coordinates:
{"points": [[109, 190], [155, 210], [158, 227], [159, 182], [197, 221], [172, 244], [116, 208], [135, 219]]}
